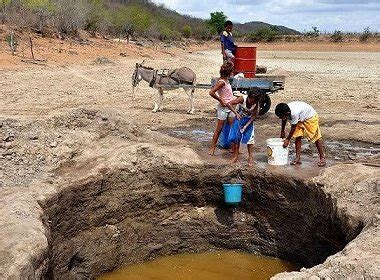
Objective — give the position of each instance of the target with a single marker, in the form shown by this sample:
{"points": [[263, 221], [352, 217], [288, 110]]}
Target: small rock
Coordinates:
{"points": [[72, 52], [9, 138], [103, 60], [8, 145], [124, 54], [53, 144]]}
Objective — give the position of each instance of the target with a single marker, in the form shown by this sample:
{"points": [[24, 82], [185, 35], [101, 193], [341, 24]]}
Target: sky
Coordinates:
{"points": [[326, 15]]}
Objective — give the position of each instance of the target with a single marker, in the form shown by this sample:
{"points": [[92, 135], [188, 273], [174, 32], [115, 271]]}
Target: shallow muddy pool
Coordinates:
{"points": [[220, 265]]}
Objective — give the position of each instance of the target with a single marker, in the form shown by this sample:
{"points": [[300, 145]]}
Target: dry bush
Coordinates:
{"points": [[71, 15]]}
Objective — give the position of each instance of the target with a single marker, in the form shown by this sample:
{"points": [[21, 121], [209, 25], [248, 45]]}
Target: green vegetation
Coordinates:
{"points": [[3, 6], [186, 31], [110, 17], [216, 21], [42, 8], [125, 18], [264, 34]]}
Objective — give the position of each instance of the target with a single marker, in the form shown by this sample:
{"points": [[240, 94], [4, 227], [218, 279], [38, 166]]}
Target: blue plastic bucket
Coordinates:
{"points": [[232, 193]]}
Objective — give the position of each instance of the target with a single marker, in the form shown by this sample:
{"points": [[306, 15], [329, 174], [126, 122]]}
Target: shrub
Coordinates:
{"points": [[264, 34], [96, 16], [43, 9], [313, 33], [365, 35], [12, 42], [186, 31], [71, 15], [337, 36], [3, 6], [202, 32]]}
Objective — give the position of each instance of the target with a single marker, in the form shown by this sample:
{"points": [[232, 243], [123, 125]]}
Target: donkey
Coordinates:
{"points": [[164, 79]]}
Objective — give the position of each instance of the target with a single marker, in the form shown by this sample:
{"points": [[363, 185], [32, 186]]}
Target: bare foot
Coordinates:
{"points": [[211, 152], [296, 161], [322, 162], [250, 163]]}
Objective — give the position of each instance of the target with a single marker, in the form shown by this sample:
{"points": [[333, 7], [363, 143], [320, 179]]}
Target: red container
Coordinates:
{"points": [[245, 61]]}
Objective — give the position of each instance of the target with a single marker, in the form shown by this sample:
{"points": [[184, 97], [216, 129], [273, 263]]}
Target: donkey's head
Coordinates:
{"points": [[136, 77]]}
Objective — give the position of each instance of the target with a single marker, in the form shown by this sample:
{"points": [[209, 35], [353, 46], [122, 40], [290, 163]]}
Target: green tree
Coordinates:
{"points": [[186, 31], [217, 21], [3, 5], [42, 7]]}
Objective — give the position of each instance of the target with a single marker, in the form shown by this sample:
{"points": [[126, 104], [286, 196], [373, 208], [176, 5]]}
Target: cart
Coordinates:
{"points": [[267, 83]]}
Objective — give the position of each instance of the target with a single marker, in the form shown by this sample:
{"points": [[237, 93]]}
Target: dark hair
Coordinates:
{"points": [[226, 69], [282, 110], [228, 23], [254, 91]]}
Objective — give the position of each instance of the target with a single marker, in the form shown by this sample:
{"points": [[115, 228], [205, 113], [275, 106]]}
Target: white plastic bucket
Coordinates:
{"points": [[277, 155]]}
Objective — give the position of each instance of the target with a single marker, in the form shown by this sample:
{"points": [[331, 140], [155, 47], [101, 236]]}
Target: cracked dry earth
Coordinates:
{"points": [[90, 180]]}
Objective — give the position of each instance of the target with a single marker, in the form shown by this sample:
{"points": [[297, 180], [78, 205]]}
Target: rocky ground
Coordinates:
{"points": [[66, 124]]}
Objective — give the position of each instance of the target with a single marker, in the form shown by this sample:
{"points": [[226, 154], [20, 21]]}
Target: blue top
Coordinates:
{"points": [[228, 41]]}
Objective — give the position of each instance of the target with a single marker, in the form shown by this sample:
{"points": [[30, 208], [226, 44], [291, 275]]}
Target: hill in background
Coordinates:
{"points": [[254, 26], [121, 18]]}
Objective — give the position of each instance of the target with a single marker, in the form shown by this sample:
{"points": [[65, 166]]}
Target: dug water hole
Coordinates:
{"points": [[219, 265]]}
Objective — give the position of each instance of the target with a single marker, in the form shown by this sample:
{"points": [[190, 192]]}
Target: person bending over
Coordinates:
{"points": [[243, 130], [304, 122]]}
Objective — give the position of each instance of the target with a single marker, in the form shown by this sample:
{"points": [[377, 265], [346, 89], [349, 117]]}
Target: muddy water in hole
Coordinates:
{"points": [[221, 265]]}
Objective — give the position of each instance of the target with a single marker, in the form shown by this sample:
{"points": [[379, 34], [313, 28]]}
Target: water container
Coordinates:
{"points": [[277, 155], [245, 61], [232, 193], [223, 137]]}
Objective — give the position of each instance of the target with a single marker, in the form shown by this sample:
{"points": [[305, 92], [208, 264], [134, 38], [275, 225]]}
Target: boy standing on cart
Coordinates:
{"points": [[227, 42]]}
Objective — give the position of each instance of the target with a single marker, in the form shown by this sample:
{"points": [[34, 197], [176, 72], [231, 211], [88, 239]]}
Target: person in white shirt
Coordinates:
{"points": [[304, 122]]}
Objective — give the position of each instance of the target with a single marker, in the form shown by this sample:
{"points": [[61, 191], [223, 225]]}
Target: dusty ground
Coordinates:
{"points": [[61, 117]]}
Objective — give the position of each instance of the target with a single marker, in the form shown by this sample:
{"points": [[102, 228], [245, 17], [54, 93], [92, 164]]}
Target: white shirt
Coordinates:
{"points": [[300, 111]]}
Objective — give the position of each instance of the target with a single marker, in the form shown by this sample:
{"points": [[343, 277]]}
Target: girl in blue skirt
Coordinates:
{"points": [[242, 129]]}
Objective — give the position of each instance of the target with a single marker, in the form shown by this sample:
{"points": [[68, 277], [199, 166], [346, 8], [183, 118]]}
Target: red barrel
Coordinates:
{"points": [[245, 61]]}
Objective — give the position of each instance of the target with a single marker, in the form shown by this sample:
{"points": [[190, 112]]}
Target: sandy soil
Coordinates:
{"points": [[342, 86]]}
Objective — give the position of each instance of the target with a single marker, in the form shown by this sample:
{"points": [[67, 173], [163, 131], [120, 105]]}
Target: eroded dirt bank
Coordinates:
{"points": [[101, 200], [124, 216]]}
